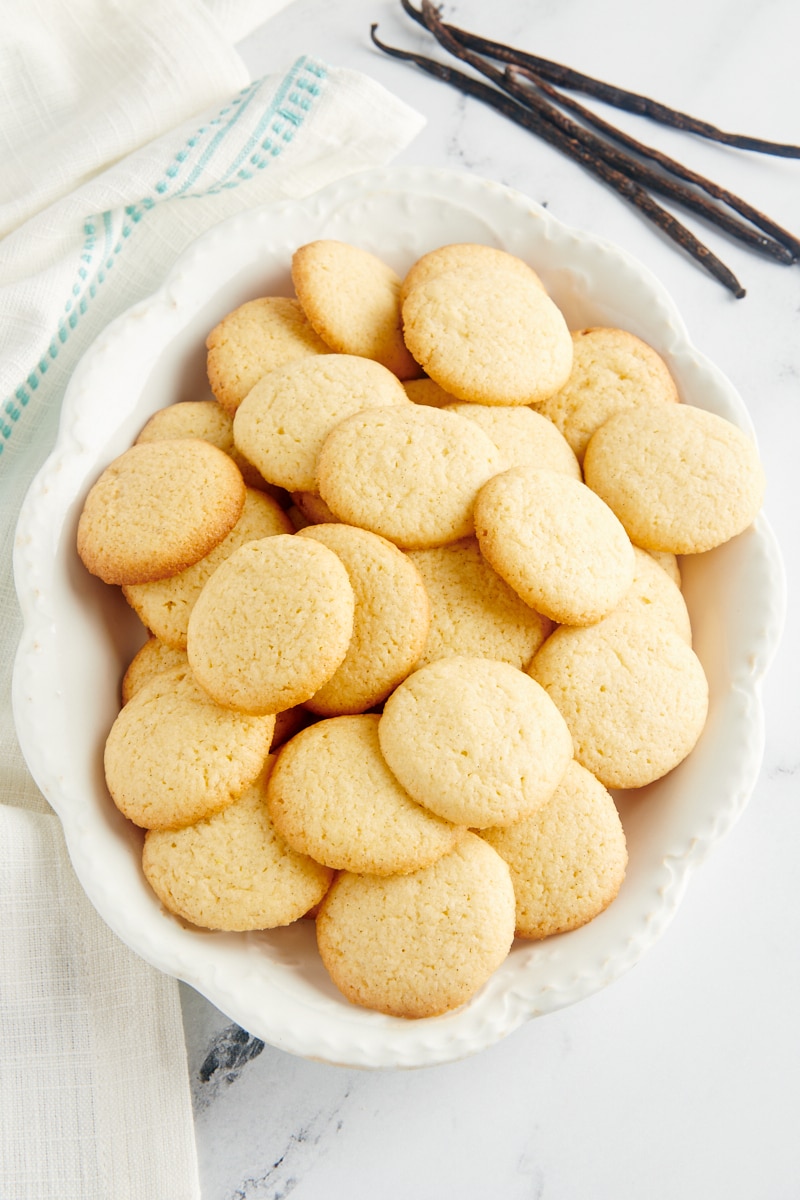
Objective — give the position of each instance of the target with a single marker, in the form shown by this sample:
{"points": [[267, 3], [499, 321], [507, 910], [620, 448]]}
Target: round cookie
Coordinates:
{"points": [[208, 420], [390, 621], [313, 509], [491, 337], [272, 624], [471, 740], [297, 518], [253, 339], [154, 656], [464, 254], [632, 692], [173, 756], [421, 944], [165, 605], [655, 592], [679, 478], [409, 473], [281, 424], [555, 543], [352, 299], [611, 370], [204, 419], [473, 612], [425, 391], [232, 871], [568, 860], [669, 562], [158, 508], [523, 437], [333, 797]]}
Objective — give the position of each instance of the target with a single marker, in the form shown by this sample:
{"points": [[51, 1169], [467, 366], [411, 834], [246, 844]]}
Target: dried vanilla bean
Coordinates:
{"points": [[556, 73], [528, 119], [639, 172], [761, 220]]}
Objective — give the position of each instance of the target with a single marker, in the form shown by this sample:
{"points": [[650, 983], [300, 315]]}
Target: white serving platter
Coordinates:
{"points": [[79, 634]]}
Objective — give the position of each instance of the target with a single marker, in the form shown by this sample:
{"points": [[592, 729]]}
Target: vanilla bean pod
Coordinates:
{"points": [[627, 188], [761, 220], [639, 172], [564, 76]]}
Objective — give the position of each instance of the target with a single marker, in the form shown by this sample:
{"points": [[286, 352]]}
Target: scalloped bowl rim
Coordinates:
{"points": [[75, 634]]}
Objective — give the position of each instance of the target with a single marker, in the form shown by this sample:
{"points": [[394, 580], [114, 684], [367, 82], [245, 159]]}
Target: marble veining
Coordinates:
{"points": [[228, 1054]]}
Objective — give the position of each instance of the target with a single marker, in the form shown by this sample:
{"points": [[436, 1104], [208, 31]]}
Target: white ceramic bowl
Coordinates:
{"points": [[79, 634]]}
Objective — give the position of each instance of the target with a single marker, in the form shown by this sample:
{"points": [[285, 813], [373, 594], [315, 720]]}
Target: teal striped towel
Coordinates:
{"points": [[68, 270]]}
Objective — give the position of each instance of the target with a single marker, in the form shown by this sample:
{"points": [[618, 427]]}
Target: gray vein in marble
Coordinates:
{"points": [[456, 150], [283, 1175], [228, 1054], [536, 1175], [779, 770]]}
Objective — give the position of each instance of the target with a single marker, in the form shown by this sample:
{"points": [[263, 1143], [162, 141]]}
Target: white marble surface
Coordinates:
{"points": [[682, 1079]]}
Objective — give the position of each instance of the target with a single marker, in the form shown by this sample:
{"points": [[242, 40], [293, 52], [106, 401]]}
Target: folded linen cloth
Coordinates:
{"points": [[94, 1095]]}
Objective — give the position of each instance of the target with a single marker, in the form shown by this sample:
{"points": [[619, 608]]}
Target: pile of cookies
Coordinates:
{"points": [[413, 608]]}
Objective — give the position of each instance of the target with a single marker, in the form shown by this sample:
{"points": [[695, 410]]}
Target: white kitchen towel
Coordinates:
{"points": [[94, 1096], [85, 83]]}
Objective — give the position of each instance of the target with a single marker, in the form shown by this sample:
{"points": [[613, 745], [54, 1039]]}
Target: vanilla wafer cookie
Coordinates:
{"points": [[272, 624], [473, 742], [253, 339], [151, 658], [420, 944], [426, 391], [233, 871], [282, 423], [390, 620], [668, 562], [473, 612], [488, 336], [208, 420], [567, 860], [165, 605], [204, 419], [679, 478], [611, 370], [158, 508], [352, 299], [409, 473], [472, 255], [523, 436], [333, 797], [631, 690], [555, 543], [173, 756], [154, 657], [656, 593]]}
